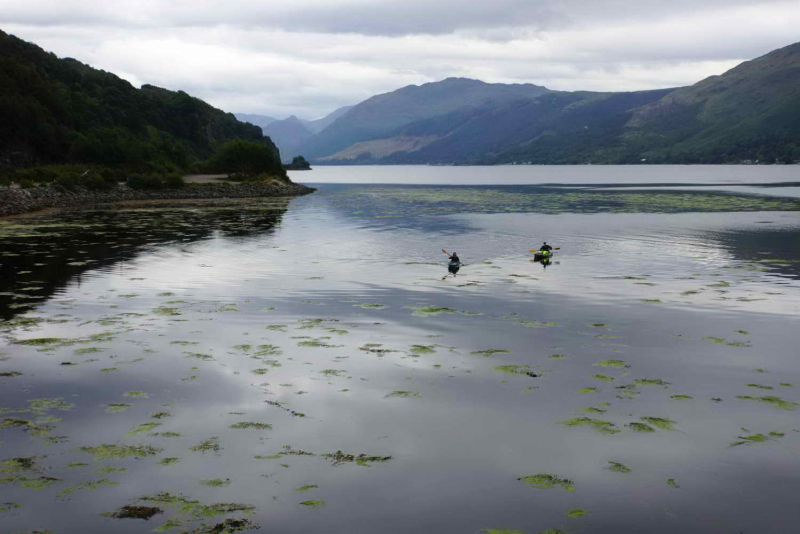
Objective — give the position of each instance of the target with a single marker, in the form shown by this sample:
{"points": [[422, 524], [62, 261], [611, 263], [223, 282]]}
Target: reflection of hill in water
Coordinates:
{"points": [[41, 255], [777, 249]]}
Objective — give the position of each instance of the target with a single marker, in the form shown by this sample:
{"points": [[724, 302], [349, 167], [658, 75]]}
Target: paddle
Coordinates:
{"points": [[534, 250]]}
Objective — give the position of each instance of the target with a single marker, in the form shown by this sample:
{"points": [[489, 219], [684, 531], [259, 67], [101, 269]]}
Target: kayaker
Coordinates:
{"points": [[455, 264], [545, 247]]}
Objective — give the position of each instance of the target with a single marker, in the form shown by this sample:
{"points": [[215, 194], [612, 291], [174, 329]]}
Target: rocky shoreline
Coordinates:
{"points": [[17, 201]]}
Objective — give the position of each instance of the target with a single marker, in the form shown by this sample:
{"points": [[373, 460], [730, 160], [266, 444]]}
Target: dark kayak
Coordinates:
{"points": [[541, 255]]}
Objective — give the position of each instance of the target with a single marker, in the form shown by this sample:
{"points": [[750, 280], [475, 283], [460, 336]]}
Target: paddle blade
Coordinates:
{"points": [[534, 250], [443, 250]]}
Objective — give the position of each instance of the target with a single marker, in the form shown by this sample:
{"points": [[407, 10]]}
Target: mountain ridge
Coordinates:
{"points": [[751, 112]]}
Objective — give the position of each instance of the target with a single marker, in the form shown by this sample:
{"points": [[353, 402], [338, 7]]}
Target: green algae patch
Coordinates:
{"points": [[313, 504], [588, 390], [144, 427], [618, 467], [91, 485], [199, 356], [88, 350], [423, 349], [134, 512], [43, 341], [76, 465], [402, 395], [576, 512], [681, 397], [650, 382], [604, 378], [306, 487], [771, 400], [671, 482], [616, 364], [516, 370], [319, 342], [8, 506], [210, 444], [557, 357], [216, 482], [117, 407], [432, 311], [30, 483], [169, 461], [371, 306], [490, 352], [10, 374], [166, 311], [42, 406], [191, 510], [604, 427], [136, 394], [759, 386], [364, 460], [108, 470], [755, 438], [113, 451], [660, 422], [640, 427], [499, 531], [247, 425], [544, 481], [267, 350], [591, 409], [535, 324], [723, 341]]}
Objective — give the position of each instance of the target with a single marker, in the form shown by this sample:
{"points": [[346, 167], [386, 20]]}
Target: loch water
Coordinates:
{"points": [[309, 365]]}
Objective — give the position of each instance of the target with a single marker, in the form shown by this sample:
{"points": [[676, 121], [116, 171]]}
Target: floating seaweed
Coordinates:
{"points": [[340, 458], [771, 400], [604, 427], [545, 481]]}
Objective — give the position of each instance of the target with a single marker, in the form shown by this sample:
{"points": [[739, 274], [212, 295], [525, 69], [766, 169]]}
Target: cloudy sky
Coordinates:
{"points": [[308, 57]]}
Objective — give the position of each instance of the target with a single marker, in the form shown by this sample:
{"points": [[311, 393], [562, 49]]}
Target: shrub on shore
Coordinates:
{"points": [[242, 157], [68, 177]]}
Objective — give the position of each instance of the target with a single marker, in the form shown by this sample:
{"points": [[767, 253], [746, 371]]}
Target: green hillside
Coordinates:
{"points": [[751, 113], [379, 116], [61, 111]]}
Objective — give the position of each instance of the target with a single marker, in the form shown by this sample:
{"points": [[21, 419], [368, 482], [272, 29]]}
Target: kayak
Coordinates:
{"points": [[542, 254], [455, 264]]}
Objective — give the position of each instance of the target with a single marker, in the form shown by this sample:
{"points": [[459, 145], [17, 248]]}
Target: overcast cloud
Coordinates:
{"points": [[308, 57]]}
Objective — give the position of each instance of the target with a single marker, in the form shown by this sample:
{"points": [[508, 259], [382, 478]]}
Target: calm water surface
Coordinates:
{"points": [[226, 368]]}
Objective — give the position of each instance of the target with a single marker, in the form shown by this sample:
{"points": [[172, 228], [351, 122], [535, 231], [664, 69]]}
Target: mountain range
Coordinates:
{"points": [[55, 110], [751, 112]]}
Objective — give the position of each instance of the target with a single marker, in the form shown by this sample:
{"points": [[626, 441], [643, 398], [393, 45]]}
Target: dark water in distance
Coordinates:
{"points": [[236, 347]]}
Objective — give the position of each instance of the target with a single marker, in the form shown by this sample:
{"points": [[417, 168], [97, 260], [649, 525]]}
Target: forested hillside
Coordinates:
{"points": [[61, 111]]}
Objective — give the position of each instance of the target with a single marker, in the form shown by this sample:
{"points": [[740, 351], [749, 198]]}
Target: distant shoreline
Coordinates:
{"points": [[19, 201]]}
